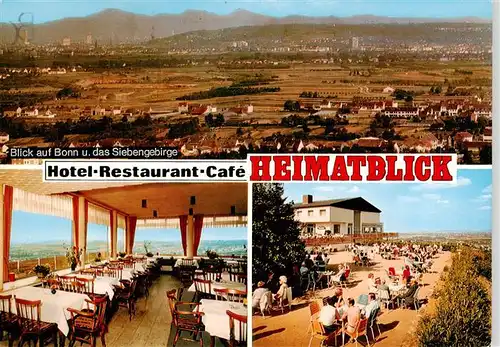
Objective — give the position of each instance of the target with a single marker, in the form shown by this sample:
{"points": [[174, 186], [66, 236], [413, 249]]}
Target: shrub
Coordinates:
{"points": [[463, 314]]}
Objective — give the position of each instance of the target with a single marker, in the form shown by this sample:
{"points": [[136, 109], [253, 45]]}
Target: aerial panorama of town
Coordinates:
{"points": [[221, 86]]}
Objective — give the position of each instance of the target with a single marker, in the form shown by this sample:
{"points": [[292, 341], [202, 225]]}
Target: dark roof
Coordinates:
{"points": [[358, 204]]}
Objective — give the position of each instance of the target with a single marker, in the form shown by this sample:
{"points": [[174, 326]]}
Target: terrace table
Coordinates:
{"points": [[102, 285], [216, 320], [222, 285], [54, 306]]}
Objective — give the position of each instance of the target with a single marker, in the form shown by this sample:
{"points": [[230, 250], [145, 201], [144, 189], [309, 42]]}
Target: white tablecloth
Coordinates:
{"points": [[222, 285], [54, 306], [216, 320], [102, 285], [396, 288]]}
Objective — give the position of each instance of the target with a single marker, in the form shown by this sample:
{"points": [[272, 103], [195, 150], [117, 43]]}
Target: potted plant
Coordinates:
{"points": [[212, 254], [122, 254], [147, 249], [73, 257], [41, 270]]}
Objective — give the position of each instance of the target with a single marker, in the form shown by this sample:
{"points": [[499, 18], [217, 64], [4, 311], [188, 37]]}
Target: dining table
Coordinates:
{"points": [[102, 284], [54, 307], [216, 320]]}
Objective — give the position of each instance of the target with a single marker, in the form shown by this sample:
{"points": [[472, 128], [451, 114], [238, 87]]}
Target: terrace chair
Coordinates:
{"points": [[87, 325], [203, 289], [314, 309], [319, 333], [373, 322], [363, 299], [345, 280], [361, 330], [32, 328], [233, 273], [265, 303], [237, 323], [8, 320], [188, 320], [413, 300], [286, 301], [385, 298]]}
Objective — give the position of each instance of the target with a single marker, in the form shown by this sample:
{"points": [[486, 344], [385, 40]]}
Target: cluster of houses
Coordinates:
{"points": [[405, 110], [6, 73], [31, 112]]}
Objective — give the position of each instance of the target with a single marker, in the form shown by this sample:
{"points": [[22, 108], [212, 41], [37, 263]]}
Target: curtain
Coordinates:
{"points": [[76, 224], [86, 216], [132, 223], [183, 227], [112, 234], [98, 215], [49, 205], [198, 226], [7, 225]]}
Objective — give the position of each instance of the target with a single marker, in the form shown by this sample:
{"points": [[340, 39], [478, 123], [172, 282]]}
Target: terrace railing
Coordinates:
{"points": [[335, 240]]}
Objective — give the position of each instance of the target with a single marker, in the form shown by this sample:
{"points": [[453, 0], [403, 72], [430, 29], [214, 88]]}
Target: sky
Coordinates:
{"points": [[33, 228], [48, 10], [414, 207]]}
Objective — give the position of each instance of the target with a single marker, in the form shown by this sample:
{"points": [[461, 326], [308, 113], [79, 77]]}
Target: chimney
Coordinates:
{"points": [[307, 199]]}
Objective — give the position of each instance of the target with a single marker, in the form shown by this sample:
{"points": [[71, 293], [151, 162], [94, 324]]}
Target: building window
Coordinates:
{"points": [[299, 214], [349, 228], [322, 213], [310, 213], [336, 229], [310, 229]]}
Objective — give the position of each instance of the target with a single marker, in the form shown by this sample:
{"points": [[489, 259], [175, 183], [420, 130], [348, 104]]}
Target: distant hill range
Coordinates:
{"points": [[115, 26]]}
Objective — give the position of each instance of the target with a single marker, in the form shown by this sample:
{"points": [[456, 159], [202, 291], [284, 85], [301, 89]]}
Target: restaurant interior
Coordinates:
{"points": [[123, 297]]}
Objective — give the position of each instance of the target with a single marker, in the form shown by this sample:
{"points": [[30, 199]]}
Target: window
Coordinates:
{"points": [[299, 214], [310, 229], [322, 213], [38, 238], [336, 229], [120, 238], [349, 228], [310, 213]]}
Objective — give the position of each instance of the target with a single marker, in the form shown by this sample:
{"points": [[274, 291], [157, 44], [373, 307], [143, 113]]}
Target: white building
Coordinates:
{"points": [[338, 216]]}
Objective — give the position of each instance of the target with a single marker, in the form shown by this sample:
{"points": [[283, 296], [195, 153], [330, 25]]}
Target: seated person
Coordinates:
{"points": [[98, 257], [372, 305], [258, 294], [309, 262], [352, 315], [372, 286], [410, 292], [303, 269], [281, 294], [340, 275], [328, 316], [406, 275]]}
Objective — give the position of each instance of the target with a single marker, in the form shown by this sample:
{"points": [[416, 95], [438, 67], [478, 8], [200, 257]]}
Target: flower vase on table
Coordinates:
{"points": [[73, 267]]}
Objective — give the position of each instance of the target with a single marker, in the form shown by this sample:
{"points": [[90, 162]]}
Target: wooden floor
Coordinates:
{"points": [[152, 324]]}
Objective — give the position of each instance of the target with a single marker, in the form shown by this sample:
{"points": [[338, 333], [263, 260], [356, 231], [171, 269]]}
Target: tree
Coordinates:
{"points": [[276, 243], [485, 155]]}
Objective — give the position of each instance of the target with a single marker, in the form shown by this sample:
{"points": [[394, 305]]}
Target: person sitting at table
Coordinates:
{"points": [[271, 282], [329, 315], [281, 294], [309, 262], [372, 286], [98, 258], [383, 286], [258, 294], [320, 263], [352, 315], [303, 269], [340, 275], [410, 292], [372, 305]]}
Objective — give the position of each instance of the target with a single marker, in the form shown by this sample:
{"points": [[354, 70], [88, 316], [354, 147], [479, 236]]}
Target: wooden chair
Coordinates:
{"points": [[237, 323], [186, 274], [51, 283], [314, 309], [115, 272], [214, 275], [373, 322], [67, 283], [85, 285], [235, 295], [8, 320], [319, 333], [126, 297], [90, 272], [241, 278], [189, 320], [87, 325], [220, 294], [32, 328], [361, 330], [203, 289]]}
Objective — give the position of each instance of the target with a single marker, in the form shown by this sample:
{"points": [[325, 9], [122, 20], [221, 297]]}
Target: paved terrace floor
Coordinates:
{"points": [[152, 324], [291, 329]]}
